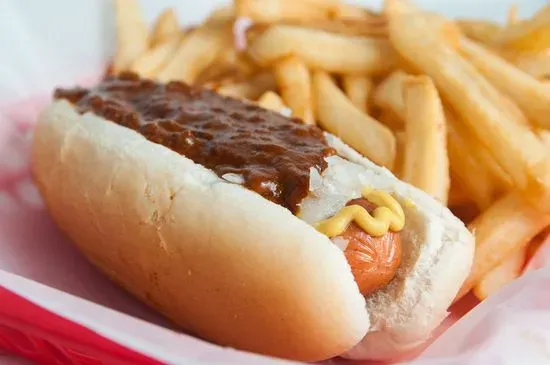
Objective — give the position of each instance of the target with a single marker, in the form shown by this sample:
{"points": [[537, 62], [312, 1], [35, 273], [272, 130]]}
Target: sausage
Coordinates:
{"points": [[374, 260]]}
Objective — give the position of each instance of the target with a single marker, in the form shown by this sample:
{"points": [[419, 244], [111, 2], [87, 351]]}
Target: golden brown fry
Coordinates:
{"points": [[477, 102], [506, 272], [457, 194], [530, 94], [197, 52], [506, 227], [358, 90], [322, 50], [513, 16], [271, 11], [349, 27], [270, 100], [544, 135], [425, 161], [465, 166], [250, 89], [166, 26], [479, 30], [389, 94], [527, 35], [149, 63], [294, 82], [535, 64], [276, 11], [339, 116], [132, 35], [400, 139]]}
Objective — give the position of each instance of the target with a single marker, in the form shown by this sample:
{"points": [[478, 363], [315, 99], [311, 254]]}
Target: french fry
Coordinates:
{"points": [[535, 64], [506, 227], [390, 120], [149, 63], [166, 26], [389, 94], [400, 140], [270, 100], [457, 194], [477, 102], [339, 116], [358, 90], [530, 94], [479, 30], [348, 27], [326, 51], [132, 34], [275, 11], [464, 166], [506, 272], [485, 160], [425, 161], [250, 89], [294, 82], [196, 53], [544, 135], [466, 212], [272, 11], [513, 16], [528, 35]]}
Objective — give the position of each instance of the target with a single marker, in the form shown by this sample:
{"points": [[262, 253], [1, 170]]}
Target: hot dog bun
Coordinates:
{"points": [[228, 265]]}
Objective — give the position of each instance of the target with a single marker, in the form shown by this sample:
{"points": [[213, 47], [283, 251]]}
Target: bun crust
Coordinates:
{"points": [[216, 258], [232, 267]]}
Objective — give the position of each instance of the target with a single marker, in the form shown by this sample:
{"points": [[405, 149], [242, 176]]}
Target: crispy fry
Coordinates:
{"points": [[149, 63], [294, 82], [358, 90], [527, 35], [476, 101], [339, 116], [196, 53], [464, 166], [165, 27], [425, 161], [275, 11], [390, 120], [535, 64], [132, 35], [530, 94], [389, 94], [250, 89], [544, 135], [272, 11], [506, 227], [270, 100], [457, 194], [479, 30], [513, 16], [506, 272], [322, 50], [400, 139]]}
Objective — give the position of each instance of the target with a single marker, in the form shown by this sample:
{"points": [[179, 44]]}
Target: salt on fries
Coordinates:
{"points": [[459, 108], [425, 161]]}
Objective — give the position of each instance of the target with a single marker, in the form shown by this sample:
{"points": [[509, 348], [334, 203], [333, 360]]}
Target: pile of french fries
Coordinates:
{"points": [[459, 108]]}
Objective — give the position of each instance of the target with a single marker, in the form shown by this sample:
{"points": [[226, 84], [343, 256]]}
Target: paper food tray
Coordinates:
{"points": [[55, 308]]}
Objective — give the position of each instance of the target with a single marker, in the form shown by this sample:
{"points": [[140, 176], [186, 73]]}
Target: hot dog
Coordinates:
{"points": [[243, 226]]}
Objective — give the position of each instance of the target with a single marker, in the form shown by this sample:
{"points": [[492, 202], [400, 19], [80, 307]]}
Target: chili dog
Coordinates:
{"points": [[243, 226]]}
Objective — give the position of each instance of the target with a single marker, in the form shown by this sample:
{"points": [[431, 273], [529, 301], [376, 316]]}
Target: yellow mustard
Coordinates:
{"points": [[388, 215]]}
